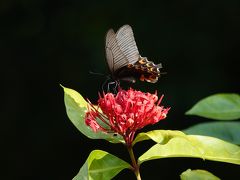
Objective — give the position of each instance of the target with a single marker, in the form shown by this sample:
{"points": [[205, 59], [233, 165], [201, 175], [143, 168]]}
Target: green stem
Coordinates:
{"points": [[134, 163]]}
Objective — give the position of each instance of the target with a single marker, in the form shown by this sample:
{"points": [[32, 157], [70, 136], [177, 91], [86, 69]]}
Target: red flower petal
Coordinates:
{"points": [[127, 112]]}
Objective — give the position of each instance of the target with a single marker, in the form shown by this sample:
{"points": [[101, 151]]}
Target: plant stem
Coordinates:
{"points": [[134, 163]]}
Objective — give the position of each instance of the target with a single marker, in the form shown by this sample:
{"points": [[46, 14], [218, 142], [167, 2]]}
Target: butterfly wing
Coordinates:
{"points": [[121, 48], [124, 60], [115, 57], [126, 42]]}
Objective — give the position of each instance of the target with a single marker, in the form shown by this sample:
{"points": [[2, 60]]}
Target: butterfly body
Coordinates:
{"points": [[124, 60]]}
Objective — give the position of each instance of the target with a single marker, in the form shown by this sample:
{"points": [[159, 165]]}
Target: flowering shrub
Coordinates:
{"points": [[128, 112]]}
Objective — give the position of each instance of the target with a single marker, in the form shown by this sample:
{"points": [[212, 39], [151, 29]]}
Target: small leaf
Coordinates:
{"points": [[177, 144], [159, 136], [228, 131], [218, 106], [101, 165], [76, 108], [198, 174]]}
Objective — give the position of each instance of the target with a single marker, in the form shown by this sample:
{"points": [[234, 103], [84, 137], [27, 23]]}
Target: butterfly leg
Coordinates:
{"points": [[109, 87], [104, 84], [116, 87]]}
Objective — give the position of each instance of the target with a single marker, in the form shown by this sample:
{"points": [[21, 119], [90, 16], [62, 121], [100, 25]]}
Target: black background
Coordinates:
{"points": [[46, 43]]}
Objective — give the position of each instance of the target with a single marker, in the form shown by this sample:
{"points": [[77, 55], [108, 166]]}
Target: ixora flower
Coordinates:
{"points": [[125, 113]]}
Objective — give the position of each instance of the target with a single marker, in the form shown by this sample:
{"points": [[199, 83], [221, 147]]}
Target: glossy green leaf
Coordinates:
{"points": [[228, 131], [198, 174], [101, 165], [177, 144], [76, 108], [218, 106]]}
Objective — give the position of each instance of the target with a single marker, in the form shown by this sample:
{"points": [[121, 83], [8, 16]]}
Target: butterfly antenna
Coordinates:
{"points": [[96, 73], [163, 73]]}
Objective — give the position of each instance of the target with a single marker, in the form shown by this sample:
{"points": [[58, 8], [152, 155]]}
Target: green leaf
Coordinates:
{"points": [[159, 136], [228, 131], [76, 108], [177, 144], [198, 174], [101, 165], [218, 106]]}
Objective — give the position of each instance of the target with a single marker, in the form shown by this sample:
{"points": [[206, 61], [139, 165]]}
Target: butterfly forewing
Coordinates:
{"points": [[109, 41], [126, 42], [115, 58]]}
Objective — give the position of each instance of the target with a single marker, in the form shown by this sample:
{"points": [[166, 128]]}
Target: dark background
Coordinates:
{"points": [[44, 43]]}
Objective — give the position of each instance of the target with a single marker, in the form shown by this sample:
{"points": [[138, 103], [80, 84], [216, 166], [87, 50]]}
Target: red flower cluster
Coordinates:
{"points": [[126, 112]]}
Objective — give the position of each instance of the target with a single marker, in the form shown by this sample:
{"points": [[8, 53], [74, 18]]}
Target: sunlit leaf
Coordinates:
{"points": [[101, 165], [218, 106], [177, 144], [76, 108], [198, 174], [228, 131]]}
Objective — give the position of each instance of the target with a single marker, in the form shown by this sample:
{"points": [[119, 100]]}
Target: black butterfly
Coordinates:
{"points": [[124, 60]]}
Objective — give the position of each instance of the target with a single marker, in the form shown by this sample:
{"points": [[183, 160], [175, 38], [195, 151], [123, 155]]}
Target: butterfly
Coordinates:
{"points": [[123, 58]]}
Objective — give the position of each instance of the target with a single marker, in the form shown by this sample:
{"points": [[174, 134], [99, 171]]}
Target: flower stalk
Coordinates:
{"points": [[134, 163]]}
